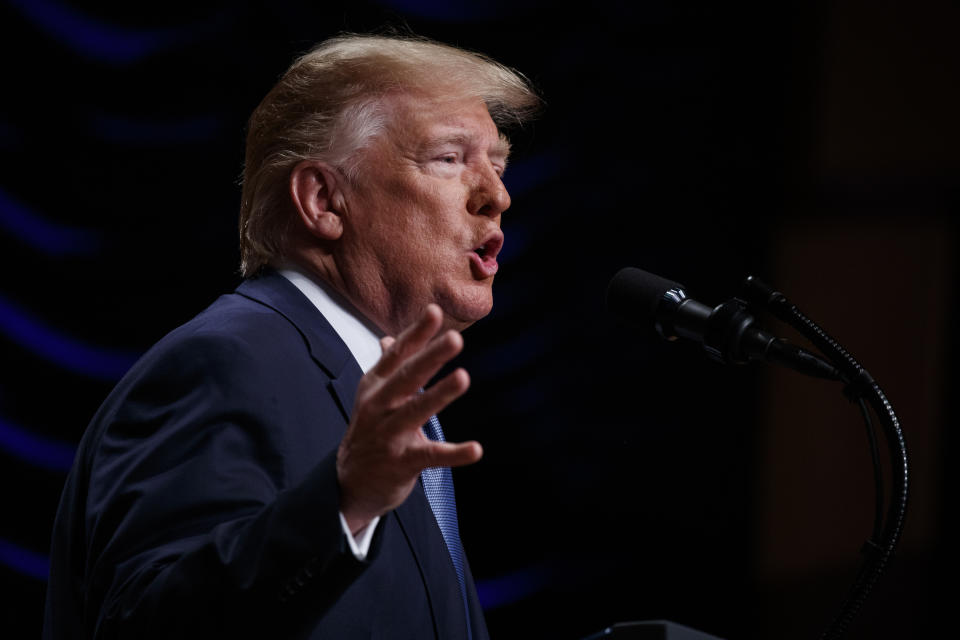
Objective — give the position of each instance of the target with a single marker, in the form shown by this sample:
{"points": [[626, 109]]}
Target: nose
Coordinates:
{"points": [[489, 197]]}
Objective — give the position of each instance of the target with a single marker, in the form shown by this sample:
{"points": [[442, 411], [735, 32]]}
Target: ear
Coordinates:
{"points": [[314, 190]]}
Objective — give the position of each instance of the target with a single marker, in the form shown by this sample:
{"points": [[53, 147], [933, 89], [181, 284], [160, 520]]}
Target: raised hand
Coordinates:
{"points": [[384, 449]]}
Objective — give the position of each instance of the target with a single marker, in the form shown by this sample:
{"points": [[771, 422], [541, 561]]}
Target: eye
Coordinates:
{"points": [[449, 158]]}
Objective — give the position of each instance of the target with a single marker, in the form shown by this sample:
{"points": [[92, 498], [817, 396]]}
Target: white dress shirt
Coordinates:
{"points": [[363, 340]]}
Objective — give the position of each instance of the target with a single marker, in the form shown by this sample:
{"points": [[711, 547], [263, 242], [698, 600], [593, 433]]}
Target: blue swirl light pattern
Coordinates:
{"points": [[38, 451], [100, 41], [512, 587], [29, 563], [93, 362], [42, 235]]}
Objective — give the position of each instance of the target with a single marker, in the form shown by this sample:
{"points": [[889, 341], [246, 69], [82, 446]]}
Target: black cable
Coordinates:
{"points": [[877, 472], [859, 385]]}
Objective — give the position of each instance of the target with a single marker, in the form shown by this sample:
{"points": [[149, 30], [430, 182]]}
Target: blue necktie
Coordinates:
{"points": [[438, 485]]}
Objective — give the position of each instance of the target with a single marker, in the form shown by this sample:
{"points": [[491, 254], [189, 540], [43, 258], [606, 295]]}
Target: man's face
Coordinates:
{"points": [[422, 221]]}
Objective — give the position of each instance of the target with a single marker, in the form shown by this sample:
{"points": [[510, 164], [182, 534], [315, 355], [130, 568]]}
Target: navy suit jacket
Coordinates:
{"points": [[204, 502]]}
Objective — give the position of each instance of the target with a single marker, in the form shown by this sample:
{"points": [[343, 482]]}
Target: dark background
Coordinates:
{"points": [[813, 144]]}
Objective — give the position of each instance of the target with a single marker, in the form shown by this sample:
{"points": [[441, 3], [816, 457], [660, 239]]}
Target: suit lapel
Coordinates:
{"points": [[325, 346], [440, 578], [414, 516]]}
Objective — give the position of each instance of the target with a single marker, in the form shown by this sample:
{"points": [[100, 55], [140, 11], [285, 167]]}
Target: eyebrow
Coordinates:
{"points": [[503, 145], [500, 147]]}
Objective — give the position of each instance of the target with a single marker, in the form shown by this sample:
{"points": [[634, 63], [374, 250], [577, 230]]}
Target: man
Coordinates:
{"points": [[265, 470]]}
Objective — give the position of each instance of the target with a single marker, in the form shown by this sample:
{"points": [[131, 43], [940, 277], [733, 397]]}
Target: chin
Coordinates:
{"points": [[466, 311]]}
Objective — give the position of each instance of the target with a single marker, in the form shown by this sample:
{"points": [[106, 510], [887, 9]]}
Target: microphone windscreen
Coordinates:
{"points": [[634, 294]]}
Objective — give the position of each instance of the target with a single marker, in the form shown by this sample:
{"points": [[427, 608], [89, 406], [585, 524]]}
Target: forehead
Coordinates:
{"points": [[418, 121]]}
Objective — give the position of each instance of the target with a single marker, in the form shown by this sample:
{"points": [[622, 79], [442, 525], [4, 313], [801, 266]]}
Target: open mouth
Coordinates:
{"points": [[485, 263], [490, 247]]}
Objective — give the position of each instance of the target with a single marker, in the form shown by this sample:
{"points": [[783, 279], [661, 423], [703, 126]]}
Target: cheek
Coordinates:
{"points": [[415, 224], [429, 219]]}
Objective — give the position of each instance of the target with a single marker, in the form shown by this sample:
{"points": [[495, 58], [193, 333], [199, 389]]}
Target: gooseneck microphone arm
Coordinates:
{"points": [[860, 385], [728, 335]]}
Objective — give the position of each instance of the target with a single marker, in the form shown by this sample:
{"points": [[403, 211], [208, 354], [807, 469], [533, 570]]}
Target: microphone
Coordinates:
{"points": [[727, 331]]}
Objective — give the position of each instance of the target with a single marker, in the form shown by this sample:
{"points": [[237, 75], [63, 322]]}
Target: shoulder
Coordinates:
{"points": [[265, 319], [235, 352], [238, 371], [229, 335]]}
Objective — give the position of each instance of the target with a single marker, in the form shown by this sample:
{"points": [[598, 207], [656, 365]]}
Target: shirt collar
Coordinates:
{"points": [[357, 332]]}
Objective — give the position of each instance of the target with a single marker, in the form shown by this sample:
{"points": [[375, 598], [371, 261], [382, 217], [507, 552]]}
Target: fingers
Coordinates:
{"points": [[413, 358], [384, 448], [417, 410], [448, 454], [414, 373], [411, 340]]}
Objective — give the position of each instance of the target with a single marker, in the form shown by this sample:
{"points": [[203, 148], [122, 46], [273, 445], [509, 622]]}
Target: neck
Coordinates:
{"points": [[323, 269]]}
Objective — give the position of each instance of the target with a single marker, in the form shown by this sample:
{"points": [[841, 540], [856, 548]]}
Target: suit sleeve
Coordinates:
{"points": [[197, 525]]}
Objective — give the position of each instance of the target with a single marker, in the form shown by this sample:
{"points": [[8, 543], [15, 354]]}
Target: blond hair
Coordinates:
{"points": [[329, 105]]}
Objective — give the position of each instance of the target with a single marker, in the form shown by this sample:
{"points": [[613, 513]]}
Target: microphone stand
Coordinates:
{"points": [[859, 387]]}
